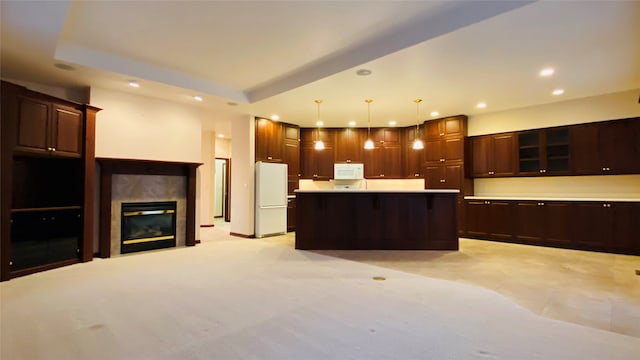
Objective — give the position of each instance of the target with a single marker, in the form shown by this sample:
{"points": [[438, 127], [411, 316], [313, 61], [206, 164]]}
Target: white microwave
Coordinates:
{"points": [[348, 171]]}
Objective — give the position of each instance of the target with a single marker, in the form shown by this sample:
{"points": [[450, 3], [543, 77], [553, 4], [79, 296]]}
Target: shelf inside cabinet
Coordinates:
{"points": [[43, 209]]}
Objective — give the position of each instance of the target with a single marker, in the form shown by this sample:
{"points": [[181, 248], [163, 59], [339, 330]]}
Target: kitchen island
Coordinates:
{"points": [[376, 220]]}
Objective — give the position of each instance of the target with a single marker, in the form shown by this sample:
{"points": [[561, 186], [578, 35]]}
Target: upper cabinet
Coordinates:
{"points": [[493, 155], [269, 144], [454, 125], [385, 160], [413, 159], [544, 151], [291, 155], [49, 128], [349, 145], [316, 164], [611, 147]]}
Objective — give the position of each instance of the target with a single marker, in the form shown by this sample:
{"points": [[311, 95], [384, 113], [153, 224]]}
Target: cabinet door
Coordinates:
{"points": [[556, 151], [502, 154], [480, 147], [477, 218], [557, 222], [268, 140], [453, 149], [413, 159], [349, 145], [618, 145], [33, 126], [373, 163], [392, 160], [501, 218], [67, 131], [530, 221], [433, 151], [585, 157], [529, 153], [454, 176], [451, 126], [591, 225], [434, 177]]}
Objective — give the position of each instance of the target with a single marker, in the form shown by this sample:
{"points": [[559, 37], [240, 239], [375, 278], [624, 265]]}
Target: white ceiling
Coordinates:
{"points": [[276, 57]]}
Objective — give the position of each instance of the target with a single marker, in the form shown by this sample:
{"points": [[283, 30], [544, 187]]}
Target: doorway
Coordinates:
{"points": [[221, 184]]}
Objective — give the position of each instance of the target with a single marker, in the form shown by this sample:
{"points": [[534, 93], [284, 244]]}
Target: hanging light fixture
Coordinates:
{"points": [[417, 143], [318, 145], [369, 143]]}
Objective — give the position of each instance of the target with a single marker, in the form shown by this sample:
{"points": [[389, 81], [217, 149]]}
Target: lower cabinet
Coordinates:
{"points": [[291, 214], [582, 225]]}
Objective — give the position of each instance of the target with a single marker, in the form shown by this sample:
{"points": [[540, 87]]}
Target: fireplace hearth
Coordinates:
{"points": [[148, 226]]}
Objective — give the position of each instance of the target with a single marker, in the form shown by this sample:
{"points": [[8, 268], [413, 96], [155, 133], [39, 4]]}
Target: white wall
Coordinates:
{"points": [[242, 176], [598, 108], [206, 173], [138, 127], [223, 148]]}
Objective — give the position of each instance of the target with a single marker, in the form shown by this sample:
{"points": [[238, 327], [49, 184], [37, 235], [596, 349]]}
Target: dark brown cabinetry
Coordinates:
{"points": [[413, 159], [611, 147], [316, 164], [292, 155], [291, 214], [583, 225], [449, 126], [269, 140], [444, 154], [493, 155], [349, 145], [48, 179], [544, 152], [542, 222], [385, 160], [45, 127]]}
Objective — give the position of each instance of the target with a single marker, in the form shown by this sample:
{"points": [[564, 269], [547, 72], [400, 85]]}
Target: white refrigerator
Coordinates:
{"points": [[271, 199]]}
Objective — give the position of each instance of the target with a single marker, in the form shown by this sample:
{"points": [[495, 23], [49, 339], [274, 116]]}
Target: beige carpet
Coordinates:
{"points": [[261, 299]]}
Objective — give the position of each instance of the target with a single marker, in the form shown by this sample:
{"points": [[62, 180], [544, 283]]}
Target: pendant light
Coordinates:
{"points": [[318, 144], [417, 143], [368, 145]]}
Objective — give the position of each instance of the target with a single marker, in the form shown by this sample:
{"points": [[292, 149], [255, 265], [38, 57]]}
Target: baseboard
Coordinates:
{"points": [[242, 235], [197, 241], [207, 225]]}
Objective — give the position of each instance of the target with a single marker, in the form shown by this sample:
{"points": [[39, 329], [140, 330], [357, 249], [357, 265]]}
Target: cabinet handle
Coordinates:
{"points": [[491, 173], [606, 169], [487, 202], [53, 149], [348, 161], [441, 134], [269, 158], [606, 205], [543, 171], [416, 174], [442, 180], [541, 203], [441, 160], [298, 175], [381, 175]]}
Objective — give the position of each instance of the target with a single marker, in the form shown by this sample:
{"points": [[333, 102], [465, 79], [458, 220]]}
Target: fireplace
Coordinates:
{"points": [[148, 226]]}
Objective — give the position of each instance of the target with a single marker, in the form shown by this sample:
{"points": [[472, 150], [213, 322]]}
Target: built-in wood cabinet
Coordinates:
{"points": [[291, 155], [449, 126], [48, 179], [385, 160], [544, 152], [48, 128], [349, 145], [609, 226], [413, 166], [316, 164], [269, 140], [493, 155], [611, 147], [291, 214]]}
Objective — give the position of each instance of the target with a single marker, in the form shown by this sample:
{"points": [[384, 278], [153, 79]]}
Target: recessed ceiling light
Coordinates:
{"points": [[221, 135], [64, 66], [392, 123], [481, 105], [434, 113], [558, 92], [352, 123], [134, 84], [275, 117], [363, 72], [547, 71], [197, 98], [319, 123]]}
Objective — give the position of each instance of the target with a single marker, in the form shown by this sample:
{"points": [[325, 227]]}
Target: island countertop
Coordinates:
{"points": [[373, 191]]}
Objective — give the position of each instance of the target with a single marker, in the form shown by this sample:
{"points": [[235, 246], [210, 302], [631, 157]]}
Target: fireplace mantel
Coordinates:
{"points": [[111, 166]]}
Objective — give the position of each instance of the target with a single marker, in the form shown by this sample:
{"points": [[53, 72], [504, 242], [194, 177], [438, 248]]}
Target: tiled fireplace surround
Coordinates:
{"points": [[124, 180]]}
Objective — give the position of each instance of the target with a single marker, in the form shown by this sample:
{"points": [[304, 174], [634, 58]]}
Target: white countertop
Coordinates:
{"points": [[452, 191], [543, 198]]}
